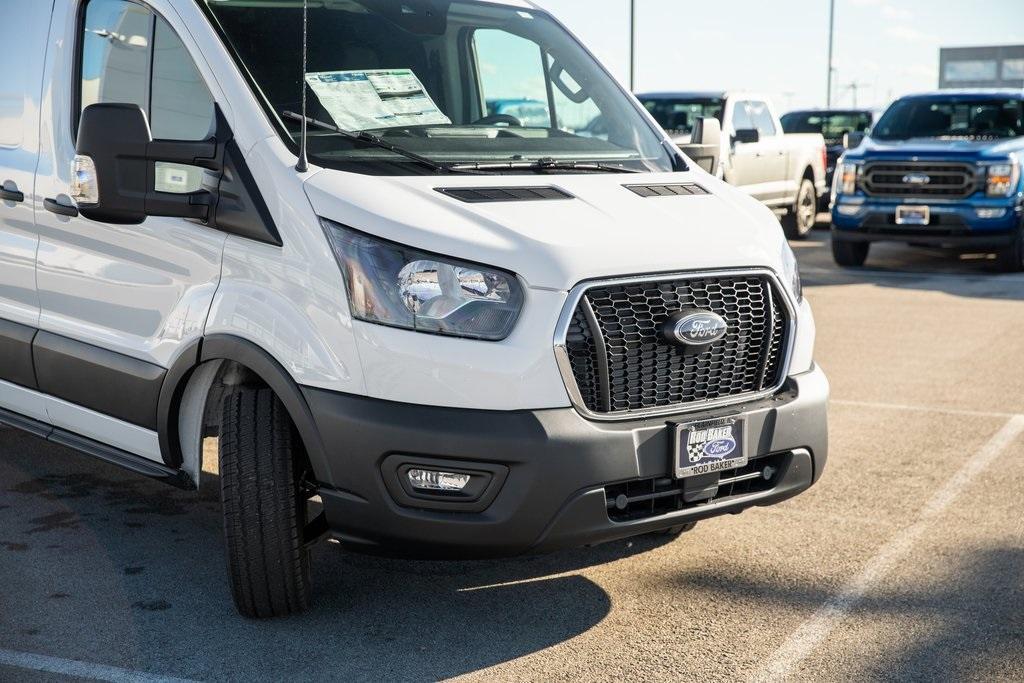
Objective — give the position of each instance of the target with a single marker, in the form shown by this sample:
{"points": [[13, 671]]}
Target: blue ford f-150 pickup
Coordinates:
{"points": [[940, 169]]}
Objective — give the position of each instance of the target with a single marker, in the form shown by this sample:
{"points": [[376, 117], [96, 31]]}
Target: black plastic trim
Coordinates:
{"points": [[241, 209], [110, 383], [485, 195], [672, 190], [115, 456], [16, 354]]}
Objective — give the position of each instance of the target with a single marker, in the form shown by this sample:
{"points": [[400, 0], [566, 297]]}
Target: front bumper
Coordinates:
{"points": [[952, 224], [550, 471]]}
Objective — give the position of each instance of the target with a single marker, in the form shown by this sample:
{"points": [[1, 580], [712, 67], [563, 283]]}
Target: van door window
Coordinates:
{"points": [[130, 55]]}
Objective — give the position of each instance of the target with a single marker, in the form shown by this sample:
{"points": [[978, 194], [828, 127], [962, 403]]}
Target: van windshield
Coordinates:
{"points": [[956, 117], [456, 82]]}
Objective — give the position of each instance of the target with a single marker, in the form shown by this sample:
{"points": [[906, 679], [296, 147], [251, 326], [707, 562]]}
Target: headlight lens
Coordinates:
{"points": [[390, 284], [791, 271], [847, 175], [1002, 179]]}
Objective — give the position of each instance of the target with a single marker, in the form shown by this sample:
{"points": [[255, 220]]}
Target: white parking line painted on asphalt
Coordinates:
{"points": [[802, 642], [921, 409], [71, 667]]}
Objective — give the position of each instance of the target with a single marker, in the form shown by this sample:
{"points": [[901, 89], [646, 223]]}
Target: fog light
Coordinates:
{"points": [[435, 480], [84, 183], [990, 213], [848, 209]]}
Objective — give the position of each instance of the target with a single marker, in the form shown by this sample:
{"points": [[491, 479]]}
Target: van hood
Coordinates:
{"points": [[604, 230]]}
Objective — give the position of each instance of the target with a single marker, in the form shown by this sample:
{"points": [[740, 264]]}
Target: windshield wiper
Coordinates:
{"points": [[547, 164], [375, 141]]}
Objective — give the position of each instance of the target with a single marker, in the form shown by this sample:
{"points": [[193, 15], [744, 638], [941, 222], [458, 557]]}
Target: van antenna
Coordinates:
{"points": [[303, 163]]}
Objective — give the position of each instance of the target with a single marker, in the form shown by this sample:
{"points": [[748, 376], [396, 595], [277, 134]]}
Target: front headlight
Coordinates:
{"points": [[791, 271], [1002, 179], [393, 285], [846, 174]]}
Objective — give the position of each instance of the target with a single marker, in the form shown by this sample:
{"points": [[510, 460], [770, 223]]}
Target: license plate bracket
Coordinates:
{"points": [[913, 215], [708, 446]]}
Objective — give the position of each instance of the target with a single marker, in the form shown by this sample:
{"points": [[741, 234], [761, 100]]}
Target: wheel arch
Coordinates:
{"points": [[197, 376]]}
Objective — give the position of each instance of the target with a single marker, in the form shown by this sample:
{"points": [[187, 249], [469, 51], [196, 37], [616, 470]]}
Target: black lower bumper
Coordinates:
{"points": [[933, 237], [548, 473]]}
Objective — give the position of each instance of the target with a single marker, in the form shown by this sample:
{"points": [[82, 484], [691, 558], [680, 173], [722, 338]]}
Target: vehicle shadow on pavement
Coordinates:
{"points": [[952, 623], [903, 267], [108, 567]]}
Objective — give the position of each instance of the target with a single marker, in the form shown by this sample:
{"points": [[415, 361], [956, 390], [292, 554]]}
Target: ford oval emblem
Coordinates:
{"points": [[722, 448], [917, 179], [699, 329]]}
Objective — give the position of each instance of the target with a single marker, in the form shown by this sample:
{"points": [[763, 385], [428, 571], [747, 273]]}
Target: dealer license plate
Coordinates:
{"points": [[913, 215], [709, 446]]}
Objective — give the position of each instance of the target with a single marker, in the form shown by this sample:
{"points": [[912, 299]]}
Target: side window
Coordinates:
{"points": [[130, 55], [762, 118], [512, 81], [740, 118]]}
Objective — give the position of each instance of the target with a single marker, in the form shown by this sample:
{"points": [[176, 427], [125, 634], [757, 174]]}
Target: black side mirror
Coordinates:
{"points": [[747, 135], [115, 170], [853, 139]]}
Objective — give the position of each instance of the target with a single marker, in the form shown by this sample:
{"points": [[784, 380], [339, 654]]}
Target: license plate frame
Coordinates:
{"points": [[913, 215], [697, 450]]}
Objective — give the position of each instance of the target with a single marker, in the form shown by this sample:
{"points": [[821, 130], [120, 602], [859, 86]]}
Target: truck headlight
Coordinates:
{"points": [[846, 178], [1002, 179], [399, 286], [791, 271]]}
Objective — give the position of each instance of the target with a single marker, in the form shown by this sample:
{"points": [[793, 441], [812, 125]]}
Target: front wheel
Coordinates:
{"points": [[850, 254], [264, 505], [1011, 259], [801, 217]]}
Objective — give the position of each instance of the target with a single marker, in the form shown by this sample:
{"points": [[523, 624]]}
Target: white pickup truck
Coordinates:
{"points": [[785, 172]]}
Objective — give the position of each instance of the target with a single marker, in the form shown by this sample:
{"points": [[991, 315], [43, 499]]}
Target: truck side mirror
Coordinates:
{"points": [[114, 174], [747, 135], [705, 144], [852, 139]]}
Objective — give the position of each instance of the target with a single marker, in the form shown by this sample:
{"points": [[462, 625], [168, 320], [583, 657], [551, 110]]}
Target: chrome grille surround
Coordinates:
{"points": [[574, 316]]}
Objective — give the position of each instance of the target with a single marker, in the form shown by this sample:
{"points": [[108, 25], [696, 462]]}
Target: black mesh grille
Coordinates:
{"points": [[646, 372], [678, 190], [932, 180]]}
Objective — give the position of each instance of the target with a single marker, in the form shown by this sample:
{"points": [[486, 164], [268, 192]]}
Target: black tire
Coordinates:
{"points": [[678, 530], [264, 507], [850, 254], [1011, 259], [802, 216]]}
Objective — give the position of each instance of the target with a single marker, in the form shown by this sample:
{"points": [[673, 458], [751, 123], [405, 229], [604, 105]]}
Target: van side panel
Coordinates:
{"points": [[23, 38]]}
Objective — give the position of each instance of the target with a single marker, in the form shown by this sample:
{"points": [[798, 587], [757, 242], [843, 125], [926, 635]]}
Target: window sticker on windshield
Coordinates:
{"points": [[368, 100]]}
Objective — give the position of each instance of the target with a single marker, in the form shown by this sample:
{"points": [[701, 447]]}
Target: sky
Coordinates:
{"points": [[780, 47]]}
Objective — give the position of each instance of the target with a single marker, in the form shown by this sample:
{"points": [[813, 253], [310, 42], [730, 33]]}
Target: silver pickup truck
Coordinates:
{"points": [[786, 172]]}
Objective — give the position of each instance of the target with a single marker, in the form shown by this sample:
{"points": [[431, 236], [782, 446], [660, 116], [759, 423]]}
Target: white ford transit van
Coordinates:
{"points": [[417, 323]]}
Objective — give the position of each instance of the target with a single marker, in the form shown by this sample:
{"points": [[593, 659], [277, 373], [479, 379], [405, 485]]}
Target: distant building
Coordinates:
{"points": [[998, 66]]}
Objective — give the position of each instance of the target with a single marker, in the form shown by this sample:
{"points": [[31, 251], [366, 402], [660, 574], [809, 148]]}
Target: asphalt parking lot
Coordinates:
{"points": [[905, 562]]}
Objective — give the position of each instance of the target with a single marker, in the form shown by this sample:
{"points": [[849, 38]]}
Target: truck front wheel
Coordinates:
{"points": [[801, 217], [264, 505], [850, 254], [1011, 259]]}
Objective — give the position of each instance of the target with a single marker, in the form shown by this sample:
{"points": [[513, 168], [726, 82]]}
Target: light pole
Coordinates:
{"points": [[831, 35], [632, 46]]}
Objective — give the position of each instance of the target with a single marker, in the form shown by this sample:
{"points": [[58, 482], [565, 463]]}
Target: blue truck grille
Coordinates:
{"points": [[920, 179]]}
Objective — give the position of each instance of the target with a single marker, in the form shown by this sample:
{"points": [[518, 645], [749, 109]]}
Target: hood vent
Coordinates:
{"points": [[678, 190], [481, 195]]}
